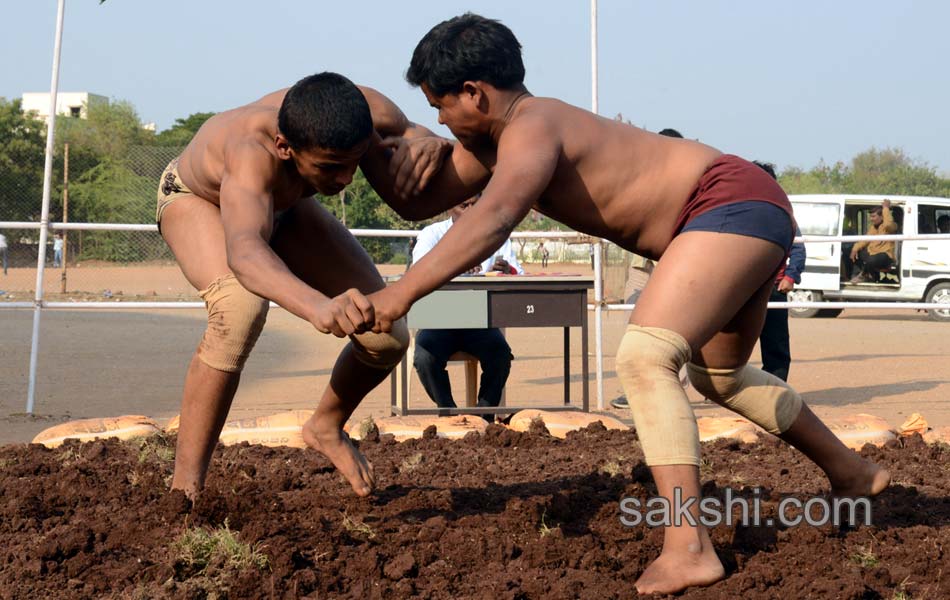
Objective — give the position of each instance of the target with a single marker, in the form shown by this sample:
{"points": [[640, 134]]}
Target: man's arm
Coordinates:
{"points": [[528, 155], [247, 217], [395, 164], [888, 225], [403, 155], [796, 260], [416, 172]]}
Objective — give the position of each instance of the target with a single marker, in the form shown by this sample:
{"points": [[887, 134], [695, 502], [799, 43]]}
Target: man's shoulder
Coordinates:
{"points": [[435, 229]]}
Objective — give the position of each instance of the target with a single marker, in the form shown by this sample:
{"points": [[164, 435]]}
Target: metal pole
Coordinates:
{"points": [[598, 320], [44, 215], [62, 278], [593, 57], [598, 249]]}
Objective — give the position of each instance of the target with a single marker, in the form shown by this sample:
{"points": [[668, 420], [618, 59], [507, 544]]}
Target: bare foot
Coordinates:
{"points": [[869, 479], [191, 491], [336, 446], [674, 571]]}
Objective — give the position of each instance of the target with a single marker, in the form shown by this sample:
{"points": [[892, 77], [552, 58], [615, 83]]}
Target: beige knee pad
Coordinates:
{"points": [[648, 365], [382, 350], [235, 319], [758, 396]]}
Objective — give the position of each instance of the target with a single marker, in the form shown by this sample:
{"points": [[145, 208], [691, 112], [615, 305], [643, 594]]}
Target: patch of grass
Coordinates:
{"points": [[197, 549], [69, 456], [865, 558], [901, 593], [544, 530], [611, 468], [411, 463], [356, 526], [705, 467], [156, 446], [366, 427]]}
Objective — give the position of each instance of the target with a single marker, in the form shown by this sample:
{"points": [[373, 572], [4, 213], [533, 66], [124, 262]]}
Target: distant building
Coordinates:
{"points": [[70, 104]]}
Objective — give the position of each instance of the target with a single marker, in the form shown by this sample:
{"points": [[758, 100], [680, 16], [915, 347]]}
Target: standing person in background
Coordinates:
{"points": [[544, 255], [3, 252], [774, 341], [58, 250]]}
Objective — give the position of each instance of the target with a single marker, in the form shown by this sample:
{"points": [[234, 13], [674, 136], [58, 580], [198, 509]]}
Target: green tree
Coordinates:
{"points": [[181, 132], [887, 171], [364, 209], [108, 131], [22, 154], [111, 192]]}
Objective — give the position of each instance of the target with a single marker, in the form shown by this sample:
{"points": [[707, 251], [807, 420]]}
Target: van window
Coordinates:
{"points": [[816, 218], [933, 218]]}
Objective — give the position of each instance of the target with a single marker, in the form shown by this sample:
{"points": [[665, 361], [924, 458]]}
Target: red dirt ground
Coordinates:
{"points": [[503, 515]]}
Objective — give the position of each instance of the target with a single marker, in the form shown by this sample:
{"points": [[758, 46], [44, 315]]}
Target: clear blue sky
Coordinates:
{"points": [[789, 82]]}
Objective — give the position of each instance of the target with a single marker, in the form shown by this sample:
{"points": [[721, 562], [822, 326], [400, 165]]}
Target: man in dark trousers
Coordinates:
{"points": [[773, 341]]}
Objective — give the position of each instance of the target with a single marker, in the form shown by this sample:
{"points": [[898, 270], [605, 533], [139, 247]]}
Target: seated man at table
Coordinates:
{"points": [[435, 346]]}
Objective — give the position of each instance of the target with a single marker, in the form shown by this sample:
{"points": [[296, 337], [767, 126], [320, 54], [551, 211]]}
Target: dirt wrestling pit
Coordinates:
{"points": [[498, 515]]}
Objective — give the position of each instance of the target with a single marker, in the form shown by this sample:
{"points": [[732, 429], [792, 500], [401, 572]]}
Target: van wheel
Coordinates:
{"points": [[939, 293], [804, 296]]}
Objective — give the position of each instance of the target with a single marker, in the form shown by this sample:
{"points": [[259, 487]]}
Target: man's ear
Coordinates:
{"points": [[284, 151], [475, 93]]}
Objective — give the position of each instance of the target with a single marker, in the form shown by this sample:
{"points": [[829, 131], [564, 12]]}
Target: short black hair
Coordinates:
{"points": [[669, 132], [466, 48], [325, 110], [767, 167]]}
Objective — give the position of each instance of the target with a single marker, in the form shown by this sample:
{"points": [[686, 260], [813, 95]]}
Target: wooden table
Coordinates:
{"points": [[480, 302]]}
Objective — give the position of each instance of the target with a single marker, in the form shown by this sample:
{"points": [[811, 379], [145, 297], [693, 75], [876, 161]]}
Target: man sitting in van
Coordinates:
{"points": [[874, 257]]}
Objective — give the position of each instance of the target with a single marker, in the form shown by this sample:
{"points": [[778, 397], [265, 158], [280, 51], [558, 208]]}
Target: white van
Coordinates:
{"points": [[921, 272]]}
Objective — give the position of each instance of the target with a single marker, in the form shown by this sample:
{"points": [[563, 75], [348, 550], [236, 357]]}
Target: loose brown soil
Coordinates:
{"points": [[503, 515]]}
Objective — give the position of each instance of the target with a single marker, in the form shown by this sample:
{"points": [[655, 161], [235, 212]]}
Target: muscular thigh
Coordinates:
{"points": [[321, 252], [711, 288], [192, 229]]}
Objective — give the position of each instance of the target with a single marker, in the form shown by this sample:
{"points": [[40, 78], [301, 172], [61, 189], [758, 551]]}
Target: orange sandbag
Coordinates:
{"points": [[915, 423], [281, 429], [124, 428], [173, 424], [938, 435], [714, 428], [559, 422], [860, 429], [411, 427]]}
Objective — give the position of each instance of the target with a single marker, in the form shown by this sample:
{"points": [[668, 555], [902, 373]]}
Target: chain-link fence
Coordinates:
{"points": [[83, 263]]}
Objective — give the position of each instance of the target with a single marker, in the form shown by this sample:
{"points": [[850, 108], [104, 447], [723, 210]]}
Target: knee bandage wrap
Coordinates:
{"points": [[382, 350], [758, 396], [235, 320], [648, 365]]}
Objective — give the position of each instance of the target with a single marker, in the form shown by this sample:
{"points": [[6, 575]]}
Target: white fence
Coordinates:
{"points": [[598, 306]]}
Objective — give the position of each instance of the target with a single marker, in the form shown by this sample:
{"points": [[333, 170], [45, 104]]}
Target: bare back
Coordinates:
{"points": [[614, 180], [203, 163]]}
